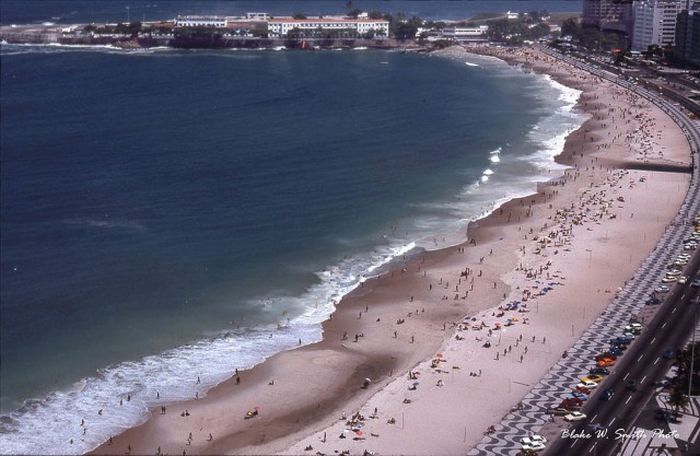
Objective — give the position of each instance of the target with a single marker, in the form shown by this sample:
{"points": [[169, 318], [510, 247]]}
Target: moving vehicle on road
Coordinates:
{"points": [[607, 394]]}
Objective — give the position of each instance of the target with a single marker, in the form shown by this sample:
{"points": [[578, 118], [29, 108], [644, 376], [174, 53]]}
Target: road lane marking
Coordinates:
{"points": [[574, 443], [643, 378], [664, 325], [612, 421], [628, 399], [625, 377], [593, 419], [593, 447], [683, 296], [652, 340], [640, 357], [674, 310], [657, 360]]}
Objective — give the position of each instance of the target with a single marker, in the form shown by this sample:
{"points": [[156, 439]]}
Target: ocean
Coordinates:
{"points": [[167, 215], [71, 11]]}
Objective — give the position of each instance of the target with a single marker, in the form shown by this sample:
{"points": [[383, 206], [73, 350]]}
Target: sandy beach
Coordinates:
{"points": [[424, 358]]}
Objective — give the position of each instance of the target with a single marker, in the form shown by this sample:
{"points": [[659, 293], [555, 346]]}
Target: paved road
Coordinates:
{"points": [[628, 303], [643, 363]]}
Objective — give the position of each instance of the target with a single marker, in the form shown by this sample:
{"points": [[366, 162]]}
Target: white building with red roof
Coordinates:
{"points": [[280, 26]]}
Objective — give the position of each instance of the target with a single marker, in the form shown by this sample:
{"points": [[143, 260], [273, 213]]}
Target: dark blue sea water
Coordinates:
{"points": [[70, 11], [161, 213]]}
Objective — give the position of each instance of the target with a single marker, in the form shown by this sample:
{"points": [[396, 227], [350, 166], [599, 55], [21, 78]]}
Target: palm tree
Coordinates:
{"points": [[678, 400]]}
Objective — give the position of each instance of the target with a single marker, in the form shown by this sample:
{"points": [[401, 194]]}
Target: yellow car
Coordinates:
{"points": [[592, 378]]}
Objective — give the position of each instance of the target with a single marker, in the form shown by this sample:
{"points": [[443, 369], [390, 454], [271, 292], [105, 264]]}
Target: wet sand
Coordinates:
{"points": [[561, 253]]}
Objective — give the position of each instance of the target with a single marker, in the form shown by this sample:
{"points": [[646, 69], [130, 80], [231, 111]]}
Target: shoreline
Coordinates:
{"points": [[125, 418], [344, 359]]}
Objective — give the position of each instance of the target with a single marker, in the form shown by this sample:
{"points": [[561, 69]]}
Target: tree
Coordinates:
{"points": [[299, 16], [354, 12], [376, 15], [570, 27], [678, 400]]}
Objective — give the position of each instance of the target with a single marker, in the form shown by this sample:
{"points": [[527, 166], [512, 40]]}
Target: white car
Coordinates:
{"points": [[668, 279], [634, 327], [535, 446], [662, 289], [682, 280], [690, 247], [535, 438], [587, 384], [575, 416], [674, 273]]}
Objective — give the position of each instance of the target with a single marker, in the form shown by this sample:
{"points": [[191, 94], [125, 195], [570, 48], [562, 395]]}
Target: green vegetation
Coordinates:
{"points": [[132, 29], [515, 31], [683, 373], [591, 37]]}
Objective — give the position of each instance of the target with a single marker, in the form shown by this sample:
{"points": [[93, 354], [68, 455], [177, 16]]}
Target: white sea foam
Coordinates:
{"points": [[478, 199], [471, 64], [7, 49], [46, 426]]}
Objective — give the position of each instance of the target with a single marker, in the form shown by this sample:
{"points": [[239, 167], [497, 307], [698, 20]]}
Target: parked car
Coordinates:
{"points": [[617, 351], [575, 416], [557, 411], [695, 283], [669, 279], [682, 280], [621, 340], [662, 289], [599, 371], [533, 447], [634, 327], [668, 354], [535, 438]]}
